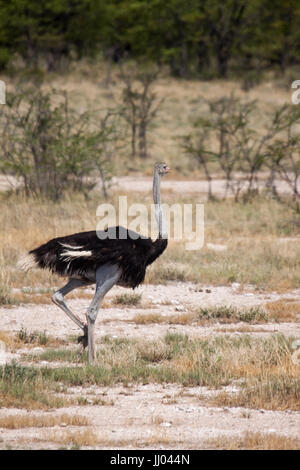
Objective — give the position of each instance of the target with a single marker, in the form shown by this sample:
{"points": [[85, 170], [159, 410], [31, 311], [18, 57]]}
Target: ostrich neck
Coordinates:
{"points": [[162, 233]]}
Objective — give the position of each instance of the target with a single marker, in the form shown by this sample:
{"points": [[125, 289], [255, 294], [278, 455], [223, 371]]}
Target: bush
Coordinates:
{"points": [[51, 148], [227, 138]]}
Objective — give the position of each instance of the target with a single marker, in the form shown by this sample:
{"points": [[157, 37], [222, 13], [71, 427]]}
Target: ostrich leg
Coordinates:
{"points": [[106, 277], [58, 299]]}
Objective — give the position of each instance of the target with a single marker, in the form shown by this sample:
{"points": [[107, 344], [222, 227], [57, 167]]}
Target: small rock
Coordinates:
{"points": [[180, 308], [166, 425], [296, 344], [37, 350], [208, 291], [3, 355]]}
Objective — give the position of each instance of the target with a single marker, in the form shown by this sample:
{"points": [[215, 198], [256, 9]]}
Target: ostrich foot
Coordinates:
{"points": [[84, 338]]}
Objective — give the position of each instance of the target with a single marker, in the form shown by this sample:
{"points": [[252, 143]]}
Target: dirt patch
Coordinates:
{"points": [[153, 416], [218, 185], [144, 184], [165, 300]]}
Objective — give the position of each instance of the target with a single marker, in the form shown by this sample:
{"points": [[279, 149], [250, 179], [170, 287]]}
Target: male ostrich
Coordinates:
{"points": [[116, 256]]}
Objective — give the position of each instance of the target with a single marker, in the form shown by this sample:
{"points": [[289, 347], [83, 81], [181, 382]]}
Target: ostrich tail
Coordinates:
{"points": [[26, 262]]}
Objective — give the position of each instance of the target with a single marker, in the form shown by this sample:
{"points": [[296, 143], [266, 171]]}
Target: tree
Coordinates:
{"points": [[283, 153], [140, 105], [223, 22]]}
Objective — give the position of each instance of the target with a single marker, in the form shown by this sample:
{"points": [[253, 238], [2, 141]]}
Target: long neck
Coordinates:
{"points": [[162, 233]]}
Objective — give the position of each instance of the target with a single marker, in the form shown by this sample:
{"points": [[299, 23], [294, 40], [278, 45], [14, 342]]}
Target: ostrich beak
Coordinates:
{"points": [[168, 169]]}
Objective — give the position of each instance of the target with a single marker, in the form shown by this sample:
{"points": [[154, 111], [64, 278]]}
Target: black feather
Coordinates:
{"points": [[129, 250]]}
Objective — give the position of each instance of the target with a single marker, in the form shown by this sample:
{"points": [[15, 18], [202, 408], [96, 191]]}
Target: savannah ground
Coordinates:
{"points": [[201, 355]]}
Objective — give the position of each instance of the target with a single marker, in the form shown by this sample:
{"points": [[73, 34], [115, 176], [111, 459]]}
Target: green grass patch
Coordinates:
{"points": [[25, 387], [232, 314], [58, 355], [6, 297], [270, 379], [127, 299], [35, 337], [262, 368]]}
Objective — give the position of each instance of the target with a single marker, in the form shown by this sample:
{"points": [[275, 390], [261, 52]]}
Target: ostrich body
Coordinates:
{"points": [[116, 256]]}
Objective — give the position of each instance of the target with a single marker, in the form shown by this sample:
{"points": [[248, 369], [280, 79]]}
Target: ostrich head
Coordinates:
{"points": [[161, 168]]}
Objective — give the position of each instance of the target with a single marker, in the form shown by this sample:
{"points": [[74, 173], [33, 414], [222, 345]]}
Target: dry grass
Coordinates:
{"points": [[89, 438], [241, 329], [30, 296], [32, 338], [23, 337], [272, 390], [33, 400], [12, 342], [205, 316], [86, 438], [39, 421], [284, 310], [249, 230], [150, 318], [255, 441], [17, 341]]}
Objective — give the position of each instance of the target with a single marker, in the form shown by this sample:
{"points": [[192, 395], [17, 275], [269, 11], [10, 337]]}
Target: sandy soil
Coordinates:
{"points": [[185, 186], [158, 417], [116, 320], [151, 416], [144, 184]]}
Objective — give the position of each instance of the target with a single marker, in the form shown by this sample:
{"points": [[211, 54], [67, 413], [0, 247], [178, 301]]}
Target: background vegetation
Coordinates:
{"points": [[52, 145], [194, 38]]}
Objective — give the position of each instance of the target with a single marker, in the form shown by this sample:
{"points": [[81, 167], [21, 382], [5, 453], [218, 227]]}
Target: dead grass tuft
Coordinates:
{"points": [[11, 341], [255, 441], [148, 318], [38, 421], [284, 310], [177, 319], [204, 316], [86, 438], [89, 438]]}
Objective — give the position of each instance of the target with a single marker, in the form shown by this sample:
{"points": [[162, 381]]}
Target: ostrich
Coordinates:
{"points": [[98, 258]]}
